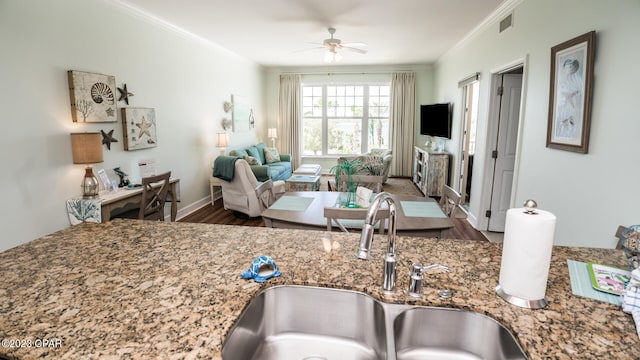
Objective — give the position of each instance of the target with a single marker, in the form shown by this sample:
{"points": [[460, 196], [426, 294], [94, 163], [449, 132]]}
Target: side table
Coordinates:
{"points": [[216, 189]]}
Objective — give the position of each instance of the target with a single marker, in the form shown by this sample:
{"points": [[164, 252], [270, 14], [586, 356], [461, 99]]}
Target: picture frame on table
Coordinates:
{"points": [[570, 94], [106, 182]]}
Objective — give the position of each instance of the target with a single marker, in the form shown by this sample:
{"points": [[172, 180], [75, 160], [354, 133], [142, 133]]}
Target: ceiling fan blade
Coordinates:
{"points": [[354, 44], [309, 49], [360, 51]]}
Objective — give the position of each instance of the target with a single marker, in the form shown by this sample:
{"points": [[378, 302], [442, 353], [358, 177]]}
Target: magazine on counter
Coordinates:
{"points": [[608, 279]]}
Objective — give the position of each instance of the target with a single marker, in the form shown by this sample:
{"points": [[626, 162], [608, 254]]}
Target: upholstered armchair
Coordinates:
{"points": [[239, 194], [375, 162]]}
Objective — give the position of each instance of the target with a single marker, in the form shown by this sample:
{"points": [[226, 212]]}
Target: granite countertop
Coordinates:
{"points": [[129, 289]]}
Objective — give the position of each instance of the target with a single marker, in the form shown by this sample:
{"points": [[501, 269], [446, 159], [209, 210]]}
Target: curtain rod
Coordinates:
{"points": [[345, 72], [469, 79]]}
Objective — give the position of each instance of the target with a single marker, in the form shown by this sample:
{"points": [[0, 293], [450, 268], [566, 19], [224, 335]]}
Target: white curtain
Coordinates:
{"points": [[403, 119], [289, 121]]}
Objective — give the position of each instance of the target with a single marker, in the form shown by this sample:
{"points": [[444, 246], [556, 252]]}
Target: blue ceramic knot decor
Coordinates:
{"points": [[262, 268]]}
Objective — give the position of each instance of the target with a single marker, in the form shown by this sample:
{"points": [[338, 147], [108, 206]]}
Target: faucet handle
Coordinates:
{"points": [[415, 279], [436, 266]]}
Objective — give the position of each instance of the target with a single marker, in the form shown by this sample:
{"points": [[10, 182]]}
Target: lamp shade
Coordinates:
{"points": [[86, 148], [222, 140], [272, 133]]}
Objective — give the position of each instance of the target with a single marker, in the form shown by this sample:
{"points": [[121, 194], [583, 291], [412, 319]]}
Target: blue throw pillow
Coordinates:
{"points": [[253, 152], [240, 153], [260, 148]]}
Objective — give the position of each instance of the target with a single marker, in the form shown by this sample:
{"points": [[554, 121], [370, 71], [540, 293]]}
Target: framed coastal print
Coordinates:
{"points": [[240, 113], [139, 128], [93, 97], [570, 94]]}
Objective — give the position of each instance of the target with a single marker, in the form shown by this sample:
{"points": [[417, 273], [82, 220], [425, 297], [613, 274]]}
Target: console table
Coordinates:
{"points": [[430, 171], [115, 200]]}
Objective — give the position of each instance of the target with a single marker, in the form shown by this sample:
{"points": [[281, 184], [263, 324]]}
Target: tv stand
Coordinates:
{"points": [[430, 171]]}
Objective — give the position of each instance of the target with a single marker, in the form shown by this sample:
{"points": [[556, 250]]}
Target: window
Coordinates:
{"points": [[345, 119]]}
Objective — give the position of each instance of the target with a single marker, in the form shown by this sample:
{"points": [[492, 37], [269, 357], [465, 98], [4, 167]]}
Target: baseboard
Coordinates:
{"points": [[473, 220], [191, 208]]}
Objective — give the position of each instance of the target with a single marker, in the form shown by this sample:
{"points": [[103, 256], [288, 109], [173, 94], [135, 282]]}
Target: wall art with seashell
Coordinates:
{"points": [[93, 98]]}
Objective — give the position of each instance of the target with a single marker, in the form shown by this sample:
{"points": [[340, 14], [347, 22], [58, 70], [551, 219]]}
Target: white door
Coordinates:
{"points": [[506, 150]]}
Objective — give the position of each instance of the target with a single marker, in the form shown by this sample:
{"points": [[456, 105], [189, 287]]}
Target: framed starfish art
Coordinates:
{"points": [[139, 128]]}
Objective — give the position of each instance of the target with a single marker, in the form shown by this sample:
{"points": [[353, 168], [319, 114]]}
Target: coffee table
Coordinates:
{"points": [[415, 216]]}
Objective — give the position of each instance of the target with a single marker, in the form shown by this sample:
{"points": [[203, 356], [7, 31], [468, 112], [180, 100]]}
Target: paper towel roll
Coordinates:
{"points": [[526, 253]]}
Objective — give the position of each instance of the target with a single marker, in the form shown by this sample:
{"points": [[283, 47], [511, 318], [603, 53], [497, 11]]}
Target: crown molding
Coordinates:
{"points": [[161, 23], [503, 10]]}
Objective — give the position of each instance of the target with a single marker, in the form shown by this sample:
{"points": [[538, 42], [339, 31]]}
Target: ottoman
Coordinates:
{"points": [[303, 183], [308, 169]]}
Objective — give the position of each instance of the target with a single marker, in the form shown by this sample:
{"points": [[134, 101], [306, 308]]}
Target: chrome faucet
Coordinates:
{"points": [[366, 239]]}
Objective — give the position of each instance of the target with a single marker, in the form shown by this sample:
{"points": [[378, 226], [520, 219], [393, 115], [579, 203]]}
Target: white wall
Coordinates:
{"points": [[590, 194], [184, 78], [352, 74]]}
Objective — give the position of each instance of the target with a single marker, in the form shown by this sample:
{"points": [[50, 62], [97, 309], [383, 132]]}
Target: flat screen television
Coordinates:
{"points": [[435, 120]]}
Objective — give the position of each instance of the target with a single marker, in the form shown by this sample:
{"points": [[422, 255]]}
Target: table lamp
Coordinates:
{"points": [[222, 141], [86, 148], [273, 134]]}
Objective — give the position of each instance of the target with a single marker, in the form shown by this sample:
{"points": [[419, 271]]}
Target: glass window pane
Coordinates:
{"points": [[340, 90], [349, 91], [312, 136], [378, 134], [385, 90], [344, 136], [359, 91]]}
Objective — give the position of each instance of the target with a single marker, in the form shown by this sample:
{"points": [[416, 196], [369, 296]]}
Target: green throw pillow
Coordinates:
{"points": [[271, 155], [251, 160]]}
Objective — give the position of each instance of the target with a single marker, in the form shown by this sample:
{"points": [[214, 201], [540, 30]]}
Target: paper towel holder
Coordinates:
{"points": [[529, 304], [530, 207]]}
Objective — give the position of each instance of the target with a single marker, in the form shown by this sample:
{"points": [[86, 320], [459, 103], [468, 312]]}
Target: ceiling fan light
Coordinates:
{"points": [[332, 56], [328, 57]]}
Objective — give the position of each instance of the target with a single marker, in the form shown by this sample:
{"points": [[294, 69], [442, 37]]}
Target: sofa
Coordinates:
{"points": [[375, 162], [263, 168]]}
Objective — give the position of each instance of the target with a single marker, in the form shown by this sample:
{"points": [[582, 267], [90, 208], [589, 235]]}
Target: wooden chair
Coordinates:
{"points": [[334, 214], [619, 232], [449, 201], [154, 195], [264, 192]]}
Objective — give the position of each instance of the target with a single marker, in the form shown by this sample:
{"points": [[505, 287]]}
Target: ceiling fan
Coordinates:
{"points": [[333, 45]]}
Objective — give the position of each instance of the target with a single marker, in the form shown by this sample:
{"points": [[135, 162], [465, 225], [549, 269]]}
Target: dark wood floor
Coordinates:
{"points": [[218, 215]]}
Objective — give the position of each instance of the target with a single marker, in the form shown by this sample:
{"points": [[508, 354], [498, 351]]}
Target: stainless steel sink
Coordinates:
{"points": [[310, 323], [440, 333], [297, 322]]}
